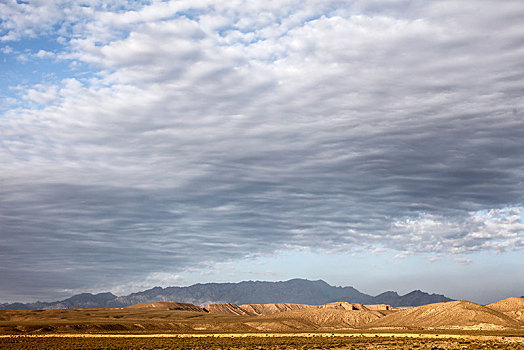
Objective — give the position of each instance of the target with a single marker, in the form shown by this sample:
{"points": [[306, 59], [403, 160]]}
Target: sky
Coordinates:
{"points": [[375, 144]]}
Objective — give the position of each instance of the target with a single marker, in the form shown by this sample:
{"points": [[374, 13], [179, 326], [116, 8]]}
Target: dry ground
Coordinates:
{"points": [[452, 325], [262, 341]]}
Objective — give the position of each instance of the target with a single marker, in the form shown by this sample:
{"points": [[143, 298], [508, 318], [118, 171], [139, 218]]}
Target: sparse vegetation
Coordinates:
{"points": [[452, 325], [281, 343]]}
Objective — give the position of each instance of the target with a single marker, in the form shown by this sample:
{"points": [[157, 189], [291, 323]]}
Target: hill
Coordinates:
{"points": [[227, 309], [455, 314], [270, 309], [313, 319], [354, 306], [295, 291], [512, 307], [168, 307], [184, 317], [180, 318]]}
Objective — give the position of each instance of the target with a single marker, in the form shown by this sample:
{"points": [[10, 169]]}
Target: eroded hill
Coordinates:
{"points": [[454, 314], [512, 307], [227, 317]]}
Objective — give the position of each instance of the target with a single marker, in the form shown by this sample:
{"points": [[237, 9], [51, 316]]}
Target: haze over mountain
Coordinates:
{"points": [[298, 291]]}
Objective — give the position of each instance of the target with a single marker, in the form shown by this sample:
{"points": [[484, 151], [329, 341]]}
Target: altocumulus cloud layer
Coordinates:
{"points": [[202, 131]]}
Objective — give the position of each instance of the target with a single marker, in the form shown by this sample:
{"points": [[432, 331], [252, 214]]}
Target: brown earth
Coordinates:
{"points": [[184, 317], [379, 307], [512, 307], [343, 306], [269, 341], [167, 306], [354, 306], [253, 309], [270, 309], [321, 319], [454, 314], [226, 308]]}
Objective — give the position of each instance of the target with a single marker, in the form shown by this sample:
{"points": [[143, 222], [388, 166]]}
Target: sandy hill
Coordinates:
{"points": [[226, 308], [313, 318], [343, 305], [453, 314], [512, 307], [168, 306], [273, 308], [184, 317], [253, 309], [270, 309]]}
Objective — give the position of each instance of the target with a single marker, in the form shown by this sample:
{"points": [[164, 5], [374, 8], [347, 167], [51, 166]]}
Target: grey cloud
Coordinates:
{"points": [[369, 126]]}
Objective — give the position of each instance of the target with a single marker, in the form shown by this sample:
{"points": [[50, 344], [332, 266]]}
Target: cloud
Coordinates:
{"points": [[496, 229], [213, 131], [462, 260], [19, 19], [6, 49], [44, 54], [41, 94]]}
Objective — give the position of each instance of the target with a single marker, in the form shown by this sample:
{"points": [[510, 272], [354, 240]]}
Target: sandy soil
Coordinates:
{"points": [[277, 341]]}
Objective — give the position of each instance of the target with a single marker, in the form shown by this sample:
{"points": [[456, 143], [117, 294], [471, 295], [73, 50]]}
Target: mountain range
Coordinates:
{"points": [[299, 291]]}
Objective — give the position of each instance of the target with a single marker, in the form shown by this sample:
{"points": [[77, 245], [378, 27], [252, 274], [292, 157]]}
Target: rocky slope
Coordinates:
{"points": [[354, 306], [226, 309], [314, 318], [168, 307], [184, 317], [456, 314], [270, 309], [512, 307]]}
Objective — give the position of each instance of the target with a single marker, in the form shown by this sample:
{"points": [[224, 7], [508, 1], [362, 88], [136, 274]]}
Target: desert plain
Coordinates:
{"points": [[343, 325]]}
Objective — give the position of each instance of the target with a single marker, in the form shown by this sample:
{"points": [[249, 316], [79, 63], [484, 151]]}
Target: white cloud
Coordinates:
{"points": [[463, 260], [22, 58], [230, 128], [496, 229], [41, 94], [45, 54], [6, 49], [27, 19]]}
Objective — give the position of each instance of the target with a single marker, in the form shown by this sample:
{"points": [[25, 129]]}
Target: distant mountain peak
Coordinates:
{"points": [[416, 292], [297, 291], [388, 293], [105, 295]]}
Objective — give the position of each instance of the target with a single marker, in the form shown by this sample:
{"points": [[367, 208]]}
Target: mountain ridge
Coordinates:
{"points": [[294, 291]]}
